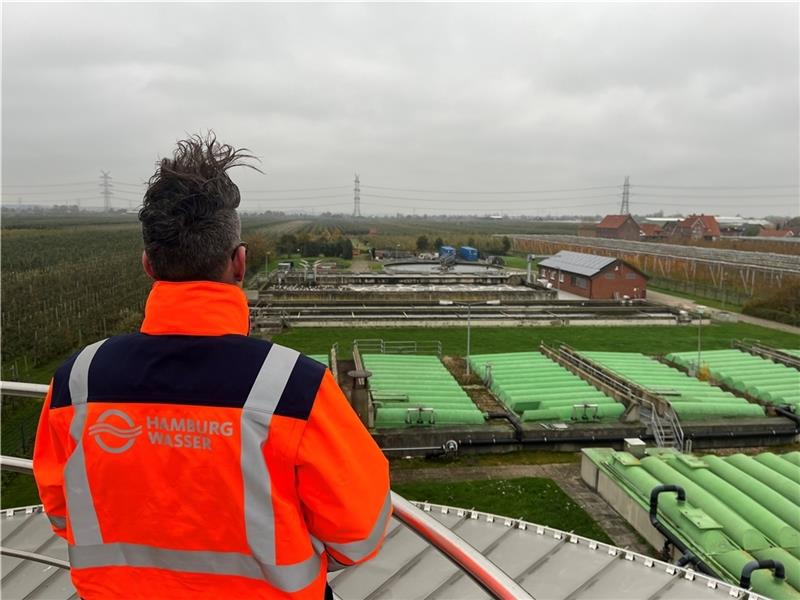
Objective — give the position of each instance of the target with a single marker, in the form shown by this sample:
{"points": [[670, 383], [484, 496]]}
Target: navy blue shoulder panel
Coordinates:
{"points": [[176, 369], [301, 389], [61, 396]]}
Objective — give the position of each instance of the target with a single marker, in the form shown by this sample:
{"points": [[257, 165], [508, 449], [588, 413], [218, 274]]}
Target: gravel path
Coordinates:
{"points": [[677, 301]]}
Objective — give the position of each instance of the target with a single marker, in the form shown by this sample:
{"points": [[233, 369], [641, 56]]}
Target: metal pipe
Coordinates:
{"points": [[755, 565], [16, 465], [40, 558], [469, 331], [17, 388], [788, 414], [687, 556], [484, 572]]}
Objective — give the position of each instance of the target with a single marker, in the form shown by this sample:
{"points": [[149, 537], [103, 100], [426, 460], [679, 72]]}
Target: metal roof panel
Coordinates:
{"points": [[548, 563], [578, 262]]}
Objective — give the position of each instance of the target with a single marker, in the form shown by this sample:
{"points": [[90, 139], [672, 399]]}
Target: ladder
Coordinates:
{"points": [[666, 428]]}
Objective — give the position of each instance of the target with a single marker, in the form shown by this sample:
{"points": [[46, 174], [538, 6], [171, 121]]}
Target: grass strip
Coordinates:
{"points": [[533, 499], [647, 339]]}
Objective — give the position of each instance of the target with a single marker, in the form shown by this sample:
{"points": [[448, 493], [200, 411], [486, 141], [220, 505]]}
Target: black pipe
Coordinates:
{"points": [[788, 414], [660, 489], [560, 437], [687, 556], [519, 432], [755, 565]]}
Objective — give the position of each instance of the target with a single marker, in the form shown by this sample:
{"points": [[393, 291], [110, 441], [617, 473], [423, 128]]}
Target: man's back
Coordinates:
{"points": [[190, 459]]}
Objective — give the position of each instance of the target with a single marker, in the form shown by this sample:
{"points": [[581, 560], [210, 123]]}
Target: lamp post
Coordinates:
{"points": [[700, 310], [469, 306], [396, 250]]}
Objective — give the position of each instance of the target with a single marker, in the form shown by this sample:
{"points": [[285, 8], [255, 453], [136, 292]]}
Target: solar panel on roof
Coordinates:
{"points": [[577, 262]]}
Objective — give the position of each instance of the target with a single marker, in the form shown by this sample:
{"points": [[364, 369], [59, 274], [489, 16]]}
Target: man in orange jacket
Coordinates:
{"points": [[189, 460]]}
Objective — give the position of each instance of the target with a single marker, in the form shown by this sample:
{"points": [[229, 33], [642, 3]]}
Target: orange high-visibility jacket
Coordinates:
{"points": [[191, 461]]}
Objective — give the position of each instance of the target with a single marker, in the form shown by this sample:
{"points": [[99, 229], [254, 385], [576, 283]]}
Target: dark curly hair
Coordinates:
{"points": [[189, 222]]}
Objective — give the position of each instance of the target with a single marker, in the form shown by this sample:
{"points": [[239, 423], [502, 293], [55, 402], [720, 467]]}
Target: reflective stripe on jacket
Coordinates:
{"points": [[189, 460]]}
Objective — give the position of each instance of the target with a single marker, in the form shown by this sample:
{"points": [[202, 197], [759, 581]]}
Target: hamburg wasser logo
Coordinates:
{"points": [[103, 432], [118, 435]]}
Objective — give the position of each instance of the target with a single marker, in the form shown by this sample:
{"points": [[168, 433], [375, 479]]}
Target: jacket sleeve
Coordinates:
{"points": [[343, 479], [49, 458]]}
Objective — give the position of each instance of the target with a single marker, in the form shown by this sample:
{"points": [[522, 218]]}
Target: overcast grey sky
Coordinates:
{"points": [[444, 97]]}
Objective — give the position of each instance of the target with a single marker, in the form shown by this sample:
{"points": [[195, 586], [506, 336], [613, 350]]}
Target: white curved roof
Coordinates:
{"points": [[550, 564]]}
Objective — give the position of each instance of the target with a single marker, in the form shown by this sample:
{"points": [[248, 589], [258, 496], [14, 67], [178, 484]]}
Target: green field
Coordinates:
{"points": [[515, 262], [532, 499], [652, 340], [522, 457]]}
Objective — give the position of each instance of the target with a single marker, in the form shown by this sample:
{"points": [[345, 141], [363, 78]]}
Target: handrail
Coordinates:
{"points": [[484, 572], [16, 465], [18, 388], [656, 407], [756, 348], [40, 558]]}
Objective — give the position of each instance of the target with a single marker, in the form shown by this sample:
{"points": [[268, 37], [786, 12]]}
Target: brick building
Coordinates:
{"points": [[618, 227], [776, 233], [650, 232], [594, 277], [695, 227]]}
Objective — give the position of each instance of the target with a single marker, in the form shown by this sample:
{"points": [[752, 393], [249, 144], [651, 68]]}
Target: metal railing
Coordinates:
{"points": [[18, 388], [483, 571], [333, 360], [756, 348], [665, 427], [24, 465], [379, 346], [654, 411]]}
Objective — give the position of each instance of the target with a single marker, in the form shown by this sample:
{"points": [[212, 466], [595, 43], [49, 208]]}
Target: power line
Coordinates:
{"points": [[711, 197], [35, 185], [138, 185], [715, 187], [698, 205], [465, 201], [316, 189], [557, 191], [80, 191], [127, 193], [247, 198]]}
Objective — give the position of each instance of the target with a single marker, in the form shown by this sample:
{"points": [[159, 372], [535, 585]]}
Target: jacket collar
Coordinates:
{"points": [[195, 308]]}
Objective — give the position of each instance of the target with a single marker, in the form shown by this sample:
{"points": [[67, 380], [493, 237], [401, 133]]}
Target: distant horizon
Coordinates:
{"points": [[87, 195], [564, 217]]}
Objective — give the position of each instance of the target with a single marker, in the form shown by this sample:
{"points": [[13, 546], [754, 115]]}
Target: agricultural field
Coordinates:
{"points": [[63, 287]]}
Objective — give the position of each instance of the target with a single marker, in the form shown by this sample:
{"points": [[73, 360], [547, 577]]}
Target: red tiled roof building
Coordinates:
{"points": [[618, 227]]}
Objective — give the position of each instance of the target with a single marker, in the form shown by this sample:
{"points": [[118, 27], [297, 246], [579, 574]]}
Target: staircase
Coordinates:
{"points": [[666, 428]]}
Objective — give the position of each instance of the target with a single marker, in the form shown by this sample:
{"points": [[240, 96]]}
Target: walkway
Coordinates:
{"points": [[568, 478], [663, 298]]}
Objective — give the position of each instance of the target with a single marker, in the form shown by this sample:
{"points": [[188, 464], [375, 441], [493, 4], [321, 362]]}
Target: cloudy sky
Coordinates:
{"points": [[462, 108]]}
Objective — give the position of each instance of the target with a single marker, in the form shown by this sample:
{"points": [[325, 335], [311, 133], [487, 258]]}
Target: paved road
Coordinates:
{"points": [[677, 301]]}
